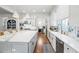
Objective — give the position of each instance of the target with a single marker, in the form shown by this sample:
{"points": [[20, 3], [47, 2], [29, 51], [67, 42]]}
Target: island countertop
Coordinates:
{"points": [[74, 43], [23, 36]]}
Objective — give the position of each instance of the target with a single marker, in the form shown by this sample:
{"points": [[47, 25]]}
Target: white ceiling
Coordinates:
{"points": [[30, 8]]}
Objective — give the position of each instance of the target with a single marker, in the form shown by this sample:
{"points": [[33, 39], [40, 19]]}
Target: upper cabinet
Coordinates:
{"points": [[62, 11], [74, 14], [59, 13]]}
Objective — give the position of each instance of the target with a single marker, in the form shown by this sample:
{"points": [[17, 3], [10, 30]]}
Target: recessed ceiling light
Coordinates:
{"points": [[44, 10], [24, 11], [34, 10]]}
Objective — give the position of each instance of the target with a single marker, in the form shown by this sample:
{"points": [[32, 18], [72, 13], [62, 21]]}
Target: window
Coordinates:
{"points": [[65, 25], [11, 24]]}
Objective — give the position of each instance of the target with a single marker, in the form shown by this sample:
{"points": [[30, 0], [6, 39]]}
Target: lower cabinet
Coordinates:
{"points": [[19, 47], [31, 47], [48, 34], [68, 49], [5, 47], [32, 44], [52, 40], [24, 47], [13, 47], [65, 48]]}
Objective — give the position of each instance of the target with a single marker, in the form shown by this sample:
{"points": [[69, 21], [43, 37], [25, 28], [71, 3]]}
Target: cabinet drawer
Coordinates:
{"points": [[19, 47], [68, 49]]}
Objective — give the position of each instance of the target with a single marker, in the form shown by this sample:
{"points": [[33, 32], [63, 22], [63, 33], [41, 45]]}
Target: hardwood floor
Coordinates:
{"points": [[42, 40]]}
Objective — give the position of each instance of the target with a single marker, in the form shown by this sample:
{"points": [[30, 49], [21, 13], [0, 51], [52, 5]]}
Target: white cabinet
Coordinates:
{"points": [[74, 15], [24, 47], [31, 47], [62, 12], [5, 47], [52, 40], [48, 34], [32, 44], [68, 49], [21, 42], [59, 13], [9, 47], [19, 47]]}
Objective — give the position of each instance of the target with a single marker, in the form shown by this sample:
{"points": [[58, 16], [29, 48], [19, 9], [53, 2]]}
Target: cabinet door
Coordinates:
{"points": [[32, 44], [48, 34], [5, 47], [35, 40], [31, 47], [68, 49], [19, 47], [52, 40]]}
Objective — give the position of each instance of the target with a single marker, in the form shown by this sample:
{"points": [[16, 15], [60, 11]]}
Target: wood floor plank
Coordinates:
{"points": [[42, 40]]}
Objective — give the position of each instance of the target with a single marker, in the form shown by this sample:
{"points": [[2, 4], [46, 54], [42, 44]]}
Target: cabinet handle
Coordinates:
{"points": [[32, 43], [13, 49], [67, 48], [52, 38]]}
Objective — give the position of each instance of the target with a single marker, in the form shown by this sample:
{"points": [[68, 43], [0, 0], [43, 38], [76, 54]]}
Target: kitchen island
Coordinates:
{"points": [[21, 42]]}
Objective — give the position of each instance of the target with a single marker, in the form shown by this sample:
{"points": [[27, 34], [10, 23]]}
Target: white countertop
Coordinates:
{"points": [[6, 36], [23, 36], [68, 40]]}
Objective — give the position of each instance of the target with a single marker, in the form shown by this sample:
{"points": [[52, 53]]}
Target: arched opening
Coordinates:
{"points": [[11, 24]]}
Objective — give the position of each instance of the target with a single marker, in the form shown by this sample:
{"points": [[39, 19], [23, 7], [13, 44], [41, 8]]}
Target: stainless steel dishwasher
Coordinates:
{"points": [[59, 46]]}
